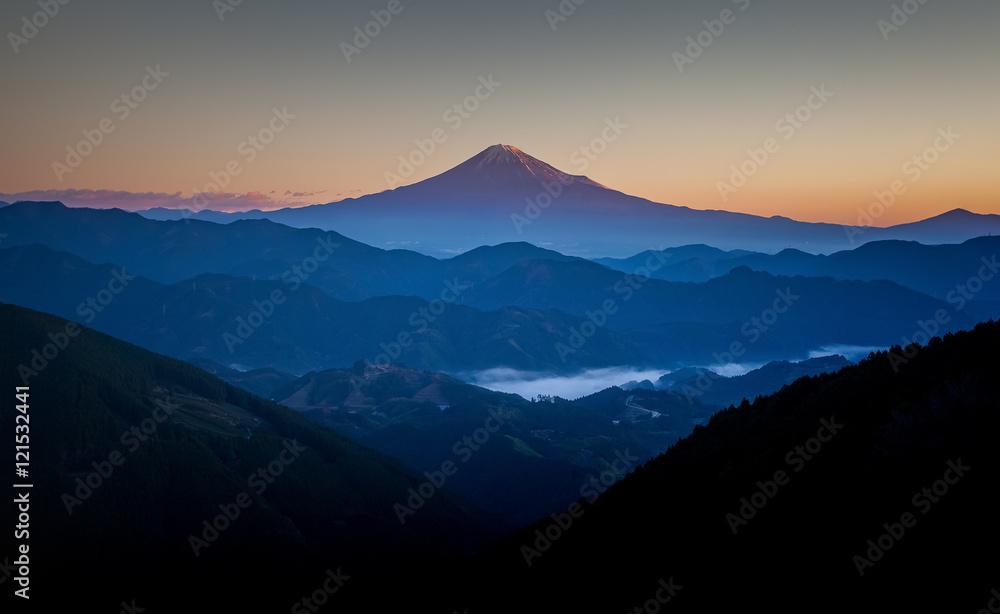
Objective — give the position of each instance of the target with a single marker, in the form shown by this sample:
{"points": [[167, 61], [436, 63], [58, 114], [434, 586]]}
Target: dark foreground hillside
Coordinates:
{"points": [[872, 489], [154, 481], [869, 490]]}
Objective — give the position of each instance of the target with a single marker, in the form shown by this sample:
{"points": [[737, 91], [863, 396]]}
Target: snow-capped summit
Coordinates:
{"points": [[508, 155], [502, 154], [502, 166]]}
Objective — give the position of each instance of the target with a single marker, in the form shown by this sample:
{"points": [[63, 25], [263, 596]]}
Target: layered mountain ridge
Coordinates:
{"points": [[503, 194]]}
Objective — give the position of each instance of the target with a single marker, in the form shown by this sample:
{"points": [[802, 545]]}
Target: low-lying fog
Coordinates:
{"points": [[530, 384]]}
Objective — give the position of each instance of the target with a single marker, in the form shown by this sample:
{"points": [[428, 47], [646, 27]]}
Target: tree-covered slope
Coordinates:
{"points": [[155, 481], [870, 489]]}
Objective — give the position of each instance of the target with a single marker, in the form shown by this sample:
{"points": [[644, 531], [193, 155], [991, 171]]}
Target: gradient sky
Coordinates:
{"points": [[607, 60]]}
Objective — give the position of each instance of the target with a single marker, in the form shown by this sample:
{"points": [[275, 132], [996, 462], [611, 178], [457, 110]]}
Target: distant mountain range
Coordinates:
{"points": [[169, 252], [504, 195], [538, 315], [516, 305], [936, 270], [234, 321], [172, 251]]}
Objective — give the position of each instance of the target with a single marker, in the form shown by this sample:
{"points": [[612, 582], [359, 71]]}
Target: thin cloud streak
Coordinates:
{"points": [[140, 201]]}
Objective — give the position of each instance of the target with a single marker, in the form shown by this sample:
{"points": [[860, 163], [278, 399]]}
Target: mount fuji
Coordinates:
{"points": [[504, 195], [500, 167]]}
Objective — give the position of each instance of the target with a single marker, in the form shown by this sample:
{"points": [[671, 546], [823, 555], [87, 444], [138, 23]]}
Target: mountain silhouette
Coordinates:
{"points": [[503, 194]]}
